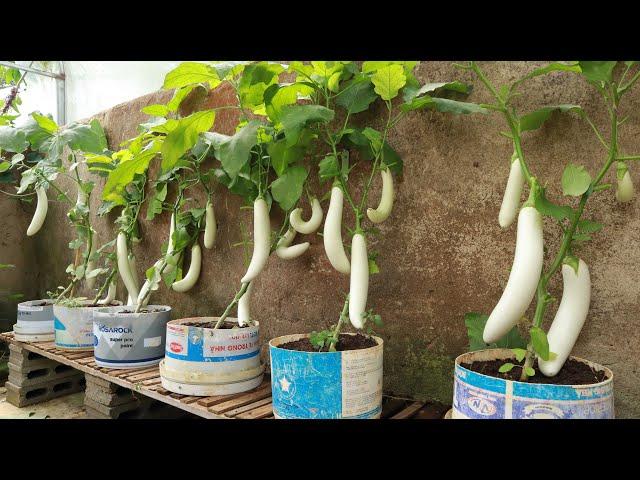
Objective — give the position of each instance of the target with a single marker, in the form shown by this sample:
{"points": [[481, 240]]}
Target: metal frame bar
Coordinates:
{"points": [[61, 87]]}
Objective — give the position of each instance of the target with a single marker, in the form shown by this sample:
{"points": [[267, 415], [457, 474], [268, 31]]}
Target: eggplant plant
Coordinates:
{"points": [[38, 148], [528, 277]]}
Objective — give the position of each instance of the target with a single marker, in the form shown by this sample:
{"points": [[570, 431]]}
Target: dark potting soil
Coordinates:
{"points": [[225, 325], [345, 342], [42, 304], [572, 373]]}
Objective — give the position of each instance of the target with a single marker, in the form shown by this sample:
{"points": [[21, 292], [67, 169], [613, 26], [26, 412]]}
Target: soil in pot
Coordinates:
{"points": [[225, 325], [572, 373], [345, 342], [44, 303]]}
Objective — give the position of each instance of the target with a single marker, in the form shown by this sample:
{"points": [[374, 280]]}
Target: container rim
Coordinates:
{"points": [[506, 354], [181, 321], [102, 310], [275, 342], [84, 303], [29, 303]]}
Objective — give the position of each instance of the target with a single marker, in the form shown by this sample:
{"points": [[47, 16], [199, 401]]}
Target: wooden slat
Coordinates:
{"points": [[246, 408], [213, 400], [391, 406], [189, 399], [143, 376], [260, 412], [409, 411], [137, 371], [85, 361], [245, 399], [153, 381]]}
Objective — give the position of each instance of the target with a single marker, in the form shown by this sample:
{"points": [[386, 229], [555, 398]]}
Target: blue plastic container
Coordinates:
{"points": [[477, 396], [325, 385]]}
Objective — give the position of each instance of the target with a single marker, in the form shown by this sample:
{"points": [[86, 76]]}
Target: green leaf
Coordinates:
{"points": [[329, 168], [535, 119], [475, 323], [550, 209], [286, 190], [278, 96], [388, 81], [46, 123], [589, 226], [506, 367], [13, 140], [391, 159], [184, 136], [178, 96], [4, 166], [295, 117], [234, 152], [357, 96], [445, 105], [373, 267], [189, 73], [455, 86], [540, 342], [123, 175], [155, 206], [85, 138], [254, 82], [156, 110], [552, 67], [530, 372], [282, 155], [520, 353], [575, 180], [595, 71]]}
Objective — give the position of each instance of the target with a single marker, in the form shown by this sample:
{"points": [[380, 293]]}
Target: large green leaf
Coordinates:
{"points": [[540, 342], [535, 119], [123, 175], [234, 152], [388, 81], [597, 71], [357, 96], [455, 86], [13, 139], [277, 96], [548, 208], [184, 136], [575, 180], [295, 117], [45, 123], [283, 155], [445, 105], [85, 138], [286, 190], [552, 67], [189, 73], [255, 80]]}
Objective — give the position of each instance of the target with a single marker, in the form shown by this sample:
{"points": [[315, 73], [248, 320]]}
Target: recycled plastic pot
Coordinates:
{"points": [[130, 340], [323, 385], [478, 396], [74, 326], [203, 361], [34, 321]]}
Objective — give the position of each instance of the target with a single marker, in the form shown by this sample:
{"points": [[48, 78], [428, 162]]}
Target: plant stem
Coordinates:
{"points": [[235, 300], [336, 332], [104, 286]]}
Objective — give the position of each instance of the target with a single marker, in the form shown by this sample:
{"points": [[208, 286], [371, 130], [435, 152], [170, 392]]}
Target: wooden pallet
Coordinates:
{"points": [[254, 404]]}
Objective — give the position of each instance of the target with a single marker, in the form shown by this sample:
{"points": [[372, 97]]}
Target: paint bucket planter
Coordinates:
{"points": [[477, 396], [129, 340], [320, 385], [34, 321], [74, 327], [205, 361]]}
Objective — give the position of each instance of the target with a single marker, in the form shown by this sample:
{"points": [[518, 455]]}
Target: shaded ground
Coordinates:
{"points": [[67, 407]]}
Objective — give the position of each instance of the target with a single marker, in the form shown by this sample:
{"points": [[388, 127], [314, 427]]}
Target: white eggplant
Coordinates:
{"points": [[570, 317], [210, 227], [41, 212], [332, 235], [124, 268], [286, 252], [359, 281], [380, 214], [170, 267], [305, 228], [511, 198], [111, 294], [624, 190], [523, 279], [134, 270], [193, 274], [244, 315], [261, 240]]}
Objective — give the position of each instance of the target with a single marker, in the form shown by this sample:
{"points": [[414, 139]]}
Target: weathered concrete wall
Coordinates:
{"points": [[442, 252]]}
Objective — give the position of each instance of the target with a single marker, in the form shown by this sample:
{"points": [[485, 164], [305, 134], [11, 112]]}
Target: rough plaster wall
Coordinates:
{"points": [[442, 252]]}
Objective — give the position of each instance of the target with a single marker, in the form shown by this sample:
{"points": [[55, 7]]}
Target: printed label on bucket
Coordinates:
{"points": [[328, 385], [194, 344]]}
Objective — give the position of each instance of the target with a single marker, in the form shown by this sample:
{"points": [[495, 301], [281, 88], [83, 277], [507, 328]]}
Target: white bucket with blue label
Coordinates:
{"points": [[478, 396], [34, 321], [325, 385], [130, 340], [203, 361], [74, 326]]}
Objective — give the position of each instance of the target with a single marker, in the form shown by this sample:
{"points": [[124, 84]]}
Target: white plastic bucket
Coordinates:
{"points": [[205, 361], [74, 327], [478, 396], [321, 385], [34, 321], [129, 340]]}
